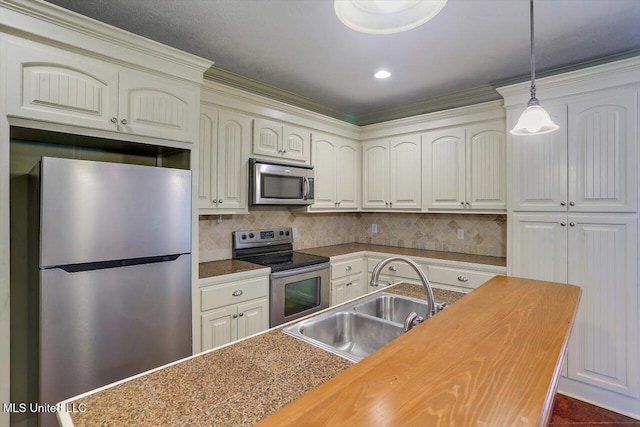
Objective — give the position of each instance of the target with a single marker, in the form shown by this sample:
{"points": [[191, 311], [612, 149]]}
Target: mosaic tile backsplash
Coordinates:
{"points": [[483, 234]]}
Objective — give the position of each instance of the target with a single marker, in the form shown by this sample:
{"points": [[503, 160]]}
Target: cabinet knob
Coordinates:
{"points": [[279, 151], [220, 200], [563, 203], [235, 316], [572, 203], [124, 122], [114, 120], [284, 151], [348, 268], [563, 224], [572, 224], [349, 284], [386, 204], [241, 314], [463, 279], [393, 268], [237, 293], [467, 203], [390, 204]]}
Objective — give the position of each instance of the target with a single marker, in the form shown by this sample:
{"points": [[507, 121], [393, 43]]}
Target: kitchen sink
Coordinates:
{"points": [[392, 307], [357, 329]]}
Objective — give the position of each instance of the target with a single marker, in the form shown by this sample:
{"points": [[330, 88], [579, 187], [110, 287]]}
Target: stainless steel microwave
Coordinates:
{"points": [[273, 183]]}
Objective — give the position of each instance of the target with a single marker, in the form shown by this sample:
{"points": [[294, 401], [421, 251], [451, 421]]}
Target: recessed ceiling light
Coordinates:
{"points": [[382, 74], [386, 16]]}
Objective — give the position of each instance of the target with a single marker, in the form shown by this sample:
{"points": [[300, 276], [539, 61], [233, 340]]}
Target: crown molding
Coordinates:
{"points": [[45, 22], [619, 70], [481, 112], [224, 96], [228, 78]]}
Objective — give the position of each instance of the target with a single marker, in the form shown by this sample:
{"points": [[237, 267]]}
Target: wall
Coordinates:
{"points": [[484, 234]]}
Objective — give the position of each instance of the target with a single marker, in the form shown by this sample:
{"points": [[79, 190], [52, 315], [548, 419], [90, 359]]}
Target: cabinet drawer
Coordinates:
{"points": [[458, 277], [234, 292], [396, 269], [346, 268]]}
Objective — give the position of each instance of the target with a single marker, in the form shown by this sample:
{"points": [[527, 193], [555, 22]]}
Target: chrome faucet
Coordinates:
{"points": [[432, 307]]}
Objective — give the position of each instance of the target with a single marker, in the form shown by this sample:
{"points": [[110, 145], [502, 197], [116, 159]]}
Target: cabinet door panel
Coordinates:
{"points": [[486, 166], [155, 106], [253, 317], [339, 291], [539, 166], [603, 260], [324, 155], [539, 247], [232, 160], [348, 175], [207, 146], [296, 144], [444, 166], [218, 327], [267, 138], [57, 86], [603, 153], [405, 185], [375, 175], [356, 287]]}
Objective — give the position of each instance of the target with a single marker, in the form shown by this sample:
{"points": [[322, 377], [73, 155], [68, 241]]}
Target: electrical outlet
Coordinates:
{"points": [[295, 232], [374, 228], [460, 233]]}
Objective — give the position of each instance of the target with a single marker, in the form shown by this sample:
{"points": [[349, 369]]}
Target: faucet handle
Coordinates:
{"points": [[440, 306], [412, 320]]}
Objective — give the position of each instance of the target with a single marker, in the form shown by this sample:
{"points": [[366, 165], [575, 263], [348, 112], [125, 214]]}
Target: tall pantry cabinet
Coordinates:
{"points": [[573, 217]]}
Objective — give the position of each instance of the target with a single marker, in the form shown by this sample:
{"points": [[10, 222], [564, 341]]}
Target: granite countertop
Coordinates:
{"points": [[230, 266], [225, 266], [235, 385], [347, 248]]}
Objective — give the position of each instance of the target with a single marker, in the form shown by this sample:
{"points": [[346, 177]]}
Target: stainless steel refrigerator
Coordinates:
{"points": [[114, 272]]}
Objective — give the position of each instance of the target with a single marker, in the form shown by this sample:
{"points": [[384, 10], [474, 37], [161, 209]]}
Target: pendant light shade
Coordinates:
{"points": [[534, 120]]}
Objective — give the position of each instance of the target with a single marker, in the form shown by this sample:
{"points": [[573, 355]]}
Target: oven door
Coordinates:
{"points": [[296, 293]]}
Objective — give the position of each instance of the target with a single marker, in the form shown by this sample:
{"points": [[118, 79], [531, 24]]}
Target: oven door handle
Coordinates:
{"points": [[302, 270]]}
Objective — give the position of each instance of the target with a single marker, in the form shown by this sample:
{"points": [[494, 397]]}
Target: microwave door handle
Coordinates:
{"points": [[305, 195]]}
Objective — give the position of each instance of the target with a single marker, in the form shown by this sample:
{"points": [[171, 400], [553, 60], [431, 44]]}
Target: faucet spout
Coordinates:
{"points": [[375, 276]]}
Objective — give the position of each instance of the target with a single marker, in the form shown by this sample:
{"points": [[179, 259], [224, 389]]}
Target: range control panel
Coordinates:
{"points": [[257, 238]]}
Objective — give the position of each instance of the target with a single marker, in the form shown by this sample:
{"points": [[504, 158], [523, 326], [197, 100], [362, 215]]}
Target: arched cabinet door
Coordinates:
{"points": [[486, 166], [603, 153], [444, 169]]}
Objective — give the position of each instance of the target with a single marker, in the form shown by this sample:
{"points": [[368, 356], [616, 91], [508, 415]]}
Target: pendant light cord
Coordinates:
{"points": [[533, 55]]}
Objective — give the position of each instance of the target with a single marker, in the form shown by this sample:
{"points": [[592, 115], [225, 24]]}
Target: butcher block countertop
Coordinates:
{"points": [[493, 358]]}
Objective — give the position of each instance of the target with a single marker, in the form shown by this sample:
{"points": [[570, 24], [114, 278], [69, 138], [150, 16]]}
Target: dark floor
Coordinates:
{"points": [[572, 412]]}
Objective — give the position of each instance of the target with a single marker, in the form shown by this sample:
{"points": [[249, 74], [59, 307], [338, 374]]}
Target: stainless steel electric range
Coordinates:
{"points": [[299, 283]]}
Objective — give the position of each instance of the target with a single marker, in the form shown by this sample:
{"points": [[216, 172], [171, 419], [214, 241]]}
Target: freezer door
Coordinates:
{"points": [[100, 326], [98, 211]]}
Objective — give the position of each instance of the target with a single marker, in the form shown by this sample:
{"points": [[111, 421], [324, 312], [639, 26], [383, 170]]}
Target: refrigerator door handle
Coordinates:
{"points": [[100, 265]]}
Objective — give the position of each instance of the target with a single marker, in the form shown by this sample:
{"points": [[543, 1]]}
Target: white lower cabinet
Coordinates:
{"points": [[347, 279], [598, 253], [233, 310]]}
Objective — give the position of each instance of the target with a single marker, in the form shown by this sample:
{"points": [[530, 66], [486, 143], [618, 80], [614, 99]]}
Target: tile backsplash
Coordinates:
{"points": [[483, 234]]}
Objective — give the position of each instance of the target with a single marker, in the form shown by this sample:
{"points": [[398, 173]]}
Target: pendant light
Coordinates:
{"points": [[534, 120]]}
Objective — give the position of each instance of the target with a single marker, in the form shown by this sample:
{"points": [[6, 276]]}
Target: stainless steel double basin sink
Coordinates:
{"points": [[357, 329]]}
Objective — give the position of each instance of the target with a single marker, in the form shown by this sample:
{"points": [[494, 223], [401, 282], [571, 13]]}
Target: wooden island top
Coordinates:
{"points": [[491, 359]]}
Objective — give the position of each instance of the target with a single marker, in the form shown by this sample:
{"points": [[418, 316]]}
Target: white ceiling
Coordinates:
{"points": [[301, 47]]}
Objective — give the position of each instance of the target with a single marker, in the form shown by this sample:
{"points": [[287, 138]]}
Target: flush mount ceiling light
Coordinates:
{"points": [[534, 120], [382, 74], [386, 16]]}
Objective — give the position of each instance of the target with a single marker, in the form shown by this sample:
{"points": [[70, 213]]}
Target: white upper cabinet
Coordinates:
{"points": [[391, 173], [57, 86], [273, 139], [603, 153], [224, 152], [586, 166], [465, 168], [337, 173]]}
